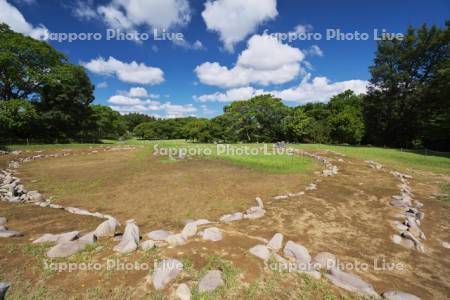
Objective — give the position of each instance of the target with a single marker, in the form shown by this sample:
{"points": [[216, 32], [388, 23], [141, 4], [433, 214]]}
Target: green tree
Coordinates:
{"points": [[296, 125], [109, 123], [408, 101], [134, 119], [18, 118], [24, 64]]}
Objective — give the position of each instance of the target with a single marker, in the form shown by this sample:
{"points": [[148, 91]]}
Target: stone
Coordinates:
{"points": [[324, 260], [189, 230], [176, 240], [259, 202], [130, 238], [107, 228], [9, 233], [183, 292], [296, 251], [276, 243], [3, 221], [159, 235], [255, 212], [397, 295], [66, 249], [3, 289], [396, 239], [147, 245], [260, 251], [89, 238], [351, 282], [232, 217], [281, 197], [211, 281], [199, 222], [446, 245], [34, 196], [57, 238], [166, 271], [212, 234]]}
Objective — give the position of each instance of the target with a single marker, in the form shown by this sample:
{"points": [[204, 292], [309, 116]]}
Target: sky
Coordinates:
{"points": [[175, 58]]}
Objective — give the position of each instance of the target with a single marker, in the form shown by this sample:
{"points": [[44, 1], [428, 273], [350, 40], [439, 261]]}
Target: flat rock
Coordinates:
{"points": [[130, 238], [66, 249], [296, 251], [176, 240], [260, 251], [276, 243], [255, 212], [212, 234], [211, 281], [189, 230], [147, 245], [324, 260], [159, 235], [166, 271], [10, 233], [3, 289], [351, 282], [3, 221], [107, 228], [397, 295], [89, 238], [446, 245], [259, 202], [232, 217], [281, 197], [199, 222], [183, 292], [57, 238]]}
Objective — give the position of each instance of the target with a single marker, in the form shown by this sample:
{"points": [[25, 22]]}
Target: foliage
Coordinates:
{"points": [[18, 119], [109, 123]]}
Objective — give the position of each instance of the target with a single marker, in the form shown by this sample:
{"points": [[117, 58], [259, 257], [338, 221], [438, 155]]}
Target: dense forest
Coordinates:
{"points": [[45, 98]]}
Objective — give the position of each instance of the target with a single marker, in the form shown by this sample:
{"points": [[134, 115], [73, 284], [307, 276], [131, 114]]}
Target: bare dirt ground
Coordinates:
{"points": [[349, 215]]}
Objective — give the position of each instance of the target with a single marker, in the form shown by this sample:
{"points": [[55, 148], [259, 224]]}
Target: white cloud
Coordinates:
{"points": [[318, 89], [138, 92], [302, 29], [314, 50], [128, 72], [160, 14], [85, 10], [234, 20], [102, 85], [265, 61], [16, 21]]}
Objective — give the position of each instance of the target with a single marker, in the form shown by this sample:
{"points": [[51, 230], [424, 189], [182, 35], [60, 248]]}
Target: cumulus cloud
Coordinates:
{"points": [[128, 72], [160, 14], [234, 20], [314, 50], [138, 92], [318, 89], [10, 15], [102, 85], [265, 61], [84, 10]]}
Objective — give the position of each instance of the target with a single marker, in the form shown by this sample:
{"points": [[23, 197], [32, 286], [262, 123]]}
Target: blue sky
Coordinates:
{"points": [[229, 50]]}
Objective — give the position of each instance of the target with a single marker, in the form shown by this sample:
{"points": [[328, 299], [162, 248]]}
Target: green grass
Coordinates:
{"points": [[391, 157]]}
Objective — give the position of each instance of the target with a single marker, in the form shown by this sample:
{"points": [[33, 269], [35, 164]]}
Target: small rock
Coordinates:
{"points": [[3, 221], [159, 235], [212, 234], [107, 228], [396, 239], [232, 217], [147, 245], [324, 260], [189, 230], [446, 245], [166, 271], [296, 251], [276, 242], [281, 197], [351, 282], [176, 240], [211, 281], [259, 202], [130, 238], [3, 289], [200, 222], [397, 295], [183, 292], [260, 251]]}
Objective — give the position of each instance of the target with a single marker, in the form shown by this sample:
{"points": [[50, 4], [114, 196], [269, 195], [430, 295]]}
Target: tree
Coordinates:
{"points": [[296, 125], [18, 119], [109, 124], [134, 119], [65, 101], [408, 101], [24, 64]]}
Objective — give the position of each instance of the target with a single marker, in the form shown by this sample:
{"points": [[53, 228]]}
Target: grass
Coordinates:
{"points": [[391, 157]]}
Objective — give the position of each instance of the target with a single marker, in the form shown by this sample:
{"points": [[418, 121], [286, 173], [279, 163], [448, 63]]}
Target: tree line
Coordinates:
{"points": [[44, 97]]}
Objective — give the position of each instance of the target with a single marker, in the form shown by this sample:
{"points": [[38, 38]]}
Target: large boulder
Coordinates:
{"points": [[397, 295], [260, 251], [212, 234], [66, 249], [276, 243], [183, 292], [107, 228], [324, 260], [130, 238], [189, 230], [351, 282], [297, 252], [211, 281], [166, 271], [57, 238]]}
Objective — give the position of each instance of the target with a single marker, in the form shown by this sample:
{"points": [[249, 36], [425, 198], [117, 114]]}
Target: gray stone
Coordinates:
{"points": [[66, 249], [446, 245], [89, 238], [232, 217], [130, 238], [3, 221], [211, 281], [351, 282], [212, 234], [260, 251], [57, 238], [296, 251], [183, 292], [200, 222], [159, 235], [166, 271], [176, 240], [276, 243], [397, 295], [34, 196], [281, 197], [3, 289], [324, 260], [259, 202], [107, 228], [255, 212], [189, 230], [147, 245], [10, 233]]}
